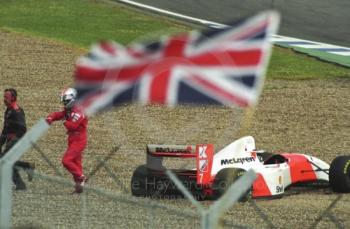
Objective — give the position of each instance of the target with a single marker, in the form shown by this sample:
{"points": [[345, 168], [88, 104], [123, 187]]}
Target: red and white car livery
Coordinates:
{"points": [[274, 172], [215, 172]]}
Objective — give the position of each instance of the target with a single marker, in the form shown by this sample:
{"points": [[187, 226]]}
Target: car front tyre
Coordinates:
{"points": [[339, 174]]}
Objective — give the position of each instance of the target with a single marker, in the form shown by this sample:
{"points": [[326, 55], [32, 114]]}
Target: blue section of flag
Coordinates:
{"points": [[247, 80], [189, 95]]}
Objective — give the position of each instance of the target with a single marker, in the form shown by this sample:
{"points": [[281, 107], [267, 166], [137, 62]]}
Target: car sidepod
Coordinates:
{"points": [[271, 180]]}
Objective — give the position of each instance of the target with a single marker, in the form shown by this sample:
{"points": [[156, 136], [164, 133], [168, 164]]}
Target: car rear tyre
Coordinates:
{"points": [[339, 174], [146, 182], [139, 182], [224, 179]]}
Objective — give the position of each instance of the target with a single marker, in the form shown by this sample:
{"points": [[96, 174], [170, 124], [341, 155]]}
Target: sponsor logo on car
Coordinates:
{"points": [[279, 189], [203, 165], [240, 160], [171, 150]]}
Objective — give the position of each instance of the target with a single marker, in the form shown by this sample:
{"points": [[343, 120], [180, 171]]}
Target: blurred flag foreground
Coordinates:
{"points": [[216, 66]]}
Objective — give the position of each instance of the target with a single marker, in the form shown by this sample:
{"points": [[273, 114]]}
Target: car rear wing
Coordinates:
{"points": [[203, 153], [171, 150]]}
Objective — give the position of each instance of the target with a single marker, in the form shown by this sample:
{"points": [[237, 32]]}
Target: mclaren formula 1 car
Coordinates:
{"points": [[215, 172]]}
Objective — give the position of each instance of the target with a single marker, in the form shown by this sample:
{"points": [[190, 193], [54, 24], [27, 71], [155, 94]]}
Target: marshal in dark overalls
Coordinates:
{"points": [[14, 128]]}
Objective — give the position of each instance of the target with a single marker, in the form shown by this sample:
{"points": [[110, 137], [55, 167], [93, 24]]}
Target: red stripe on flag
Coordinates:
{"points": [[231, 58], [108, 47], [159, 87], [130, 73], [217, 58], [89, 74], [175, 46]]}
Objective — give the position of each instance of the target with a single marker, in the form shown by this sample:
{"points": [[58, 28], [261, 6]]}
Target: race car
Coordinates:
{"points": [[214, 173]]}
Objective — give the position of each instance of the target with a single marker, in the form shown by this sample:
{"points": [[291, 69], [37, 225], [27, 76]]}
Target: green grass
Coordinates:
{"points": [[83, 22], [287, 64]]}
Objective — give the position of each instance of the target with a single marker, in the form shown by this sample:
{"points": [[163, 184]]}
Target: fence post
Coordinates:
{"points": [[6, 164], [210, 217]]}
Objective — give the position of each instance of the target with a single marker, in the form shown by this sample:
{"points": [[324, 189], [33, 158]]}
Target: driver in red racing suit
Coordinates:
{"points": [[75, 123]]}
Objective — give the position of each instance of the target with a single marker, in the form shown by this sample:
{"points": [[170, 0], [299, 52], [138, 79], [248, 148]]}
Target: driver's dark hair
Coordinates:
{"points": [[12, 91]]}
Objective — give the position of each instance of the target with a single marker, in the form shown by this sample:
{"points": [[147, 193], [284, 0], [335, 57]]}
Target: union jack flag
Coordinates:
{"points": [[217, 66]]}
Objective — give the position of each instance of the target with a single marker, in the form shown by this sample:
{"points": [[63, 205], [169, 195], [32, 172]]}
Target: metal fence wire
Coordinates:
{"points": [[48, 203]]}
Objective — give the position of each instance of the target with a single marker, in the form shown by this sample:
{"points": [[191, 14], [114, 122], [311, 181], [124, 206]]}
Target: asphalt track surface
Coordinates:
{"points": [[318, 20]]}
